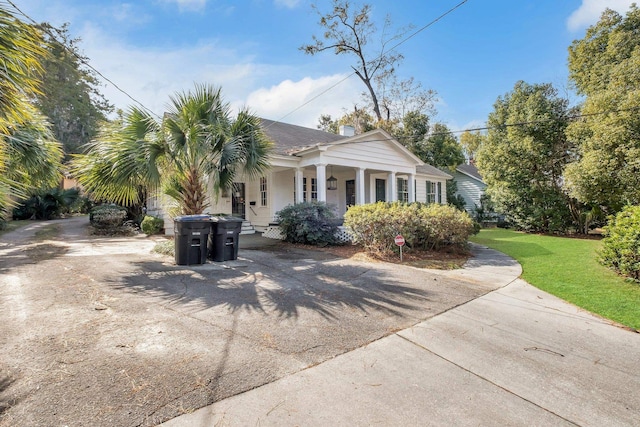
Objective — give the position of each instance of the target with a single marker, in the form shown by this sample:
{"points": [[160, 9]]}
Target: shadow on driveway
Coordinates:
{"points": [[277, 283]]}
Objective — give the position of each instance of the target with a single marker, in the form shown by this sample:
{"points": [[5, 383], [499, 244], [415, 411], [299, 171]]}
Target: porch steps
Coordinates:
{"points": [[247, 228]]}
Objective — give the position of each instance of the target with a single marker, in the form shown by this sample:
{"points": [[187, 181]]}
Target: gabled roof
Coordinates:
{"points": [[292, 139], [431, 170], [471, 171], [289, 139]]}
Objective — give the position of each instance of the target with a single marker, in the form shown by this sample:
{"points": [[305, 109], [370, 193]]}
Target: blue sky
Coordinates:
{"points": [[153, 48]]}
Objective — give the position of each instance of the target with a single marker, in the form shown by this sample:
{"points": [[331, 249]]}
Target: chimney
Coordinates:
{"points": [[346, 130]]}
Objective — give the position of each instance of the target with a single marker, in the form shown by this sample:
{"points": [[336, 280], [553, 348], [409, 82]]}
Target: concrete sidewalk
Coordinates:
{"points": [[515, 356]]}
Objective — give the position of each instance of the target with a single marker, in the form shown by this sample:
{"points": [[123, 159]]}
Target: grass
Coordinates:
{"points": [[165, 247], [568, 268]]}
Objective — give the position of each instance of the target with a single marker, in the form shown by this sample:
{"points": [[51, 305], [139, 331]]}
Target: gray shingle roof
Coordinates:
{"points": [[470, 170], [288, 138], [431, 170]]}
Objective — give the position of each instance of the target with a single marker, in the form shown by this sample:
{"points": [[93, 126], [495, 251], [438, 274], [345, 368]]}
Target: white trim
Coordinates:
{"points": [[321, 174]]}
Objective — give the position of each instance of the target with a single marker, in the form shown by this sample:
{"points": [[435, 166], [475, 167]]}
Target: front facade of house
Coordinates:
{"points": [[341, 170]]}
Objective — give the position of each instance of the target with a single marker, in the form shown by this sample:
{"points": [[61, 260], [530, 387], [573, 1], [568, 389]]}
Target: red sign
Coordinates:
{"points": [[399, 240]]}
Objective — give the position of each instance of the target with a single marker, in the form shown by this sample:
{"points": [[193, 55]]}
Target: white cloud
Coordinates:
{"points": [[129, 14], [590, 10], [151, 76], [189, 5], [288, 100], [287, 3]]}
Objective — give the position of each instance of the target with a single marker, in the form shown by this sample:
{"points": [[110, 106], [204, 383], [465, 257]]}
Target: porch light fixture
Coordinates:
{"points": [[332, 182]]}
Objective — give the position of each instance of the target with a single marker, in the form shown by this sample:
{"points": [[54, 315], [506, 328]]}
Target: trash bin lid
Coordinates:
{"points": [[188, 218], [226, 219]]}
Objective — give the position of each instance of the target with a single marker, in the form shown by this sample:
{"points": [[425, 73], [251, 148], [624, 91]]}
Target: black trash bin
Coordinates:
{"points": [[191, 237], [224, 238]]}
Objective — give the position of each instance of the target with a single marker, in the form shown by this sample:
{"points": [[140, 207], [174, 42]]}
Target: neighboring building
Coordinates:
{"points": [[470, 186], [341, 170]]}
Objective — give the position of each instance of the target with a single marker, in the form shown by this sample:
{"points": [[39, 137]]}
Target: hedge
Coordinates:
{"points": [[428, 227], [621, 245]]}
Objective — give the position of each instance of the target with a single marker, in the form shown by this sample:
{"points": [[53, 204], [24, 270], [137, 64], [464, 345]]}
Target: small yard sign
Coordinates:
{"points": [[400, 242]]}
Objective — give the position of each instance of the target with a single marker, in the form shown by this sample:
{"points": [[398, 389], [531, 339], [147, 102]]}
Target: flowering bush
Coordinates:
{"points": [[429, 227]]}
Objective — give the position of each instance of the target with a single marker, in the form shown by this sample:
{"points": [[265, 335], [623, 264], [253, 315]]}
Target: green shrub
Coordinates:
{"points": [[429, 227], [621, 246], [151, 225], [82, 205], [47, 204], [108, 219], [309, 223]]}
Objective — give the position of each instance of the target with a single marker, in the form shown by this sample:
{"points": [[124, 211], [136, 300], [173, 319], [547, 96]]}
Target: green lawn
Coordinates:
{"points": [[567, 268]]}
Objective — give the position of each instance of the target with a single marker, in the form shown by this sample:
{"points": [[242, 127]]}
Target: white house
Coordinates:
{"points": [[341, 170], [470, 185]]}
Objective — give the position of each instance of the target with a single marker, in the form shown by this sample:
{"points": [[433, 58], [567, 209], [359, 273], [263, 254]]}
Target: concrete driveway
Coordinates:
{"points": [[99, 331], [516, 356]]}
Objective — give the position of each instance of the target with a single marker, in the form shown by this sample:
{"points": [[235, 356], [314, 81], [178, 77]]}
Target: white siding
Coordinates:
{"points": [[255, 213], [421, 189], [379, 155], [222, 205], [281, 192], [470, 189]]}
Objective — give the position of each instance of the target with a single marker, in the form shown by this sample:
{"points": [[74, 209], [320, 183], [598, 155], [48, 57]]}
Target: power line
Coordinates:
{"points": [[533, 122], [505, 125], [378, 58], [83, 61], [426, 26]]}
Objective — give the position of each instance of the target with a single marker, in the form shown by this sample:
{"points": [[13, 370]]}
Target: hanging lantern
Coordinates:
{"points": [[332, 182]]}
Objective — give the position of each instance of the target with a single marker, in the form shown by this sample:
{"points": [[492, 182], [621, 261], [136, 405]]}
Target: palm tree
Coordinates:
{"points": [[35, 157], [28, 154], [21, 48], [122, 162], [33, 160], [197, 143]]}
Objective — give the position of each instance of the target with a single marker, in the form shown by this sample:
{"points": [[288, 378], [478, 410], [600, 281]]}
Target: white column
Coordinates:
{"points": [[412, 188], [299, 186], [392, 187], [443, 200], [360, 186], [321, 176]]}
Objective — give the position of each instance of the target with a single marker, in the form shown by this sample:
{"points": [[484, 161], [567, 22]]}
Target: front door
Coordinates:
{"points": [[237, 200], [351, 192], [381, 190]]}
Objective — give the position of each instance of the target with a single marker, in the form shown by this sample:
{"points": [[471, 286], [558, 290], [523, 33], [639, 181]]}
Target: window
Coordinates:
{"points": [[314, 189], [263, 191], [304, 189], [381, 190], [403, 190], [431, 192]]}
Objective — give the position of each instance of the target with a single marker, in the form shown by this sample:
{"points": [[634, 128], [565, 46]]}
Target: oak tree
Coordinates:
{"points": [[523, 157], [605, 68]]}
